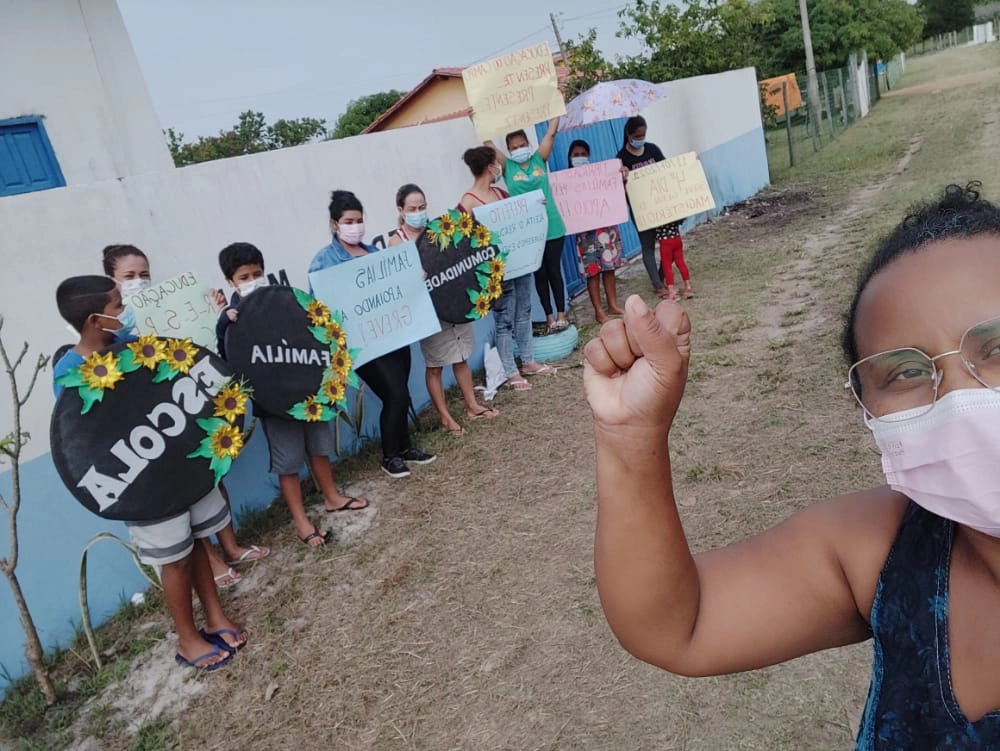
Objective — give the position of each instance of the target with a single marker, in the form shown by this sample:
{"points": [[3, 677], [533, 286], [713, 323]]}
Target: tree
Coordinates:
{"points": [[10, 447], [361, 113], [250, 135], [585, 64], [947, 15]]}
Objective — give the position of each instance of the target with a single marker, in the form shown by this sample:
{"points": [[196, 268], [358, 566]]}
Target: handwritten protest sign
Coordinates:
{"points": [[383, 298], [180, 308], [520, 223], [590, 197], [668, 191], [513, 91]]}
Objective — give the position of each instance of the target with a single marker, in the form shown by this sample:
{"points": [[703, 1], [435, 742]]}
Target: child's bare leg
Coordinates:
{"points": [[291, 491], [222, 573], [611, 292], [594, 292], [463, 374], [435, 387], [204, 586], [176, 580], [333, 499], [232, 550]]}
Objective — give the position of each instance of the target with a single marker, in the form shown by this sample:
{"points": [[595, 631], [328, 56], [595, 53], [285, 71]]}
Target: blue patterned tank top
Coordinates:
{"points": [[911, 704]]}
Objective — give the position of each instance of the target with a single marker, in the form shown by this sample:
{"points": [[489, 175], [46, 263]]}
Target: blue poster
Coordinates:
{"points": [[383, 298], [521, 225]]}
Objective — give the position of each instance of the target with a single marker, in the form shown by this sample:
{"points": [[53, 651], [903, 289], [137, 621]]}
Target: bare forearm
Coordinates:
{"points": [[646, 575]]}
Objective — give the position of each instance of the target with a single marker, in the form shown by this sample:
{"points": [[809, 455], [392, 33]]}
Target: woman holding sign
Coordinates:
{"points": [[525, 171], [636, 152], [387, 376], [129, 267], [600, 251]]}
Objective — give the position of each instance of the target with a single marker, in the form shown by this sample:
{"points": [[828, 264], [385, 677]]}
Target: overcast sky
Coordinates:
{"points": [[205, 61]]}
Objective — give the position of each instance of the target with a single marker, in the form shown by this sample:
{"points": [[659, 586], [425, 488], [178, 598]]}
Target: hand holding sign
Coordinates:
{"points": [[668, 191], [181, 307]]}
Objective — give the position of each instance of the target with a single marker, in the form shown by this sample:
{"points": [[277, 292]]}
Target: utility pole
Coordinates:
{"points": [[555, 28], [811, 81]]}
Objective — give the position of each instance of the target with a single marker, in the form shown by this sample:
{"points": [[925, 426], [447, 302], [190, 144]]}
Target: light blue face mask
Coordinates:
{"points": [[416, 219], [637, 144], [127, 320], [580, 161], [521, 155]]}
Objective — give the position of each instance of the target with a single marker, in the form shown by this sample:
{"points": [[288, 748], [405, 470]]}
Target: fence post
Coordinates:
{"points": [[829, 109], [843, 98], [788, 124]]}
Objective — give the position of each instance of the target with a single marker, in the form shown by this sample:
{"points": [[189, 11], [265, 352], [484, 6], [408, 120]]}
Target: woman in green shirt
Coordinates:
{"points": [[524, 172]]}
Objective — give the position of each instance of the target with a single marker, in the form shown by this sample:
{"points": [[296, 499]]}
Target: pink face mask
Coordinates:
{"points": [[352, 234], [948, 460]]}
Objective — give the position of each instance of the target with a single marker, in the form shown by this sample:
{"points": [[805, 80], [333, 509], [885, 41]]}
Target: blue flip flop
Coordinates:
{"points": [[195, 663], [216, 638]]}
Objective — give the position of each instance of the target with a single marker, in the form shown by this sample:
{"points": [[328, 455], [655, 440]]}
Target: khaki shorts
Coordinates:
{"points": [[171, 540], [452, 344]]}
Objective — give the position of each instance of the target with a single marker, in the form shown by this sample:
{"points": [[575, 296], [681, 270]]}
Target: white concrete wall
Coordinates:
{"points": [[71, 61]]}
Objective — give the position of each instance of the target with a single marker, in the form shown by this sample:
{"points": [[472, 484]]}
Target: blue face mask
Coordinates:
{"points": [[637, 143], [416, 219], [521, 155], [127, 320], [580, 161]]}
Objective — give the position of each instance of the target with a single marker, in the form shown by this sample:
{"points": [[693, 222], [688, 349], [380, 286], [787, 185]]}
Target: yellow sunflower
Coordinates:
{"points": [[494, 289], [482, 305], [313, 410], [148, 351], [227, 440], [483, 235], [336, 333], [341, 362], [101, 372], [230, 403], [447, 226], [335, 390], [432, 237], [180, 354], [465, 224], [498, 278], [496, 267], [319, 314]]}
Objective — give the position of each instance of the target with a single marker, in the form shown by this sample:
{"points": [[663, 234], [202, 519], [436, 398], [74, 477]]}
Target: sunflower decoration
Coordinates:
{"points": [[231, 401], [494, 288], [335, 334], [481, 236], [221, 445], [146, 352], [312, 410], [319, 314], [95, 375], [178, 357], [496, 266], [444, 230], [341, 362], [334, 391], [480, 306], [466, 225]]}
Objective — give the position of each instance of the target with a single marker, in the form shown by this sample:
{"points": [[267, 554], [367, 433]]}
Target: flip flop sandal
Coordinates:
{"points": [[196, 662], [253, 553], [324, 536], [348, 507], [543, 370], [233, 577], [456, 433], [519, 384], [486, 414], [218, 638]]}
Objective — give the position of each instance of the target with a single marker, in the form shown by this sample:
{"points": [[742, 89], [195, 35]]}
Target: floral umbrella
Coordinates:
{"points": [[609, 100]]}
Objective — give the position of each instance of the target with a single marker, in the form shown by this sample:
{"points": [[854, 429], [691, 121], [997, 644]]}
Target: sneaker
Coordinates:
{"points": [[395, 467], [417, 456]]}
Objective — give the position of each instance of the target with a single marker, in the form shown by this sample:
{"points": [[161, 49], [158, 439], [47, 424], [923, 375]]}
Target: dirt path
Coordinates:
{"points": [[945, 84]]}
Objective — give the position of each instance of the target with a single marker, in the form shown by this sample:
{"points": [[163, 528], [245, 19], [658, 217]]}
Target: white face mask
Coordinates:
{"points": [[133, 286], [522, 154], [580, 161], [948, 459], [254, 284]]}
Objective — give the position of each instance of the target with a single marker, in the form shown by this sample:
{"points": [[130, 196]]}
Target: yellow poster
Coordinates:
{"points": [[513, 91], [668, 191]]}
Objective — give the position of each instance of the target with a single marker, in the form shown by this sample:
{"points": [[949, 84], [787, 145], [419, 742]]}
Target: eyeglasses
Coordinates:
{"points": [[902, 384]]}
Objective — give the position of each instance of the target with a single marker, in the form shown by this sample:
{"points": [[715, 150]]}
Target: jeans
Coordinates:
{"points": [[387, 377], [512, 315], [647, 241]]}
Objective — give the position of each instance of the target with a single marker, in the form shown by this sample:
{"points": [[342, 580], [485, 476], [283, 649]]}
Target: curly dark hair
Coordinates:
{"points": [[479, 158], [959, 212], [341, 201]]}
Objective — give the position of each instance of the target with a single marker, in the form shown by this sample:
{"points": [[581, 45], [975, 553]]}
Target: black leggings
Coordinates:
{"points": [[387, 377], [549, 275]]}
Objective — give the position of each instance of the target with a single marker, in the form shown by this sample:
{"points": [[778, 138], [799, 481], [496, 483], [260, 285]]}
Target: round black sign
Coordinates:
{"points": [[293, 352], [142, 431], [463, 265]]}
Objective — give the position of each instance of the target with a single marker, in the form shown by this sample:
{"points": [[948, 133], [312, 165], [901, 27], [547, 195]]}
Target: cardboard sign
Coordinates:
{"points": [[464, 266], [293, 351], [383, 298], [144, 430], [668, 191], [513, 91], [181, 308], [590, 197], [520, 223]]}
